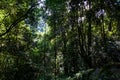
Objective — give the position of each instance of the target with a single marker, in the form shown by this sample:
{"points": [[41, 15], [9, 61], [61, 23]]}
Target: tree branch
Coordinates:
{"points": [[21, 18]]}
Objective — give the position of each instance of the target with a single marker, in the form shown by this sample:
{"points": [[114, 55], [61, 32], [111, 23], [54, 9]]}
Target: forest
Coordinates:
{"points": [[59, 39]]}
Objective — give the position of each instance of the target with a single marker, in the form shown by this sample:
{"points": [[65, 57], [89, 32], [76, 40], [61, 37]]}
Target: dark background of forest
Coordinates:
{"points": [[59, 39]]}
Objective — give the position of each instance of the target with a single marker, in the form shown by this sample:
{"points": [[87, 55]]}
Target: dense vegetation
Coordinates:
{"points": [[59, 39]]}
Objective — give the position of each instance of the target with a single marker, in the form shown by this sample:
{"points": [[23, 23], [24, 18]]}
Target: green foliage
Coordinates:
{"points": [[79, 40]]}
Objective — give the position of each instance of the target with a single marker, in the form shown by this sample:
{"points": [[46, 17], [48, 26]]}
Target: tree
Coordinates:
{"points": [[17, 39]]}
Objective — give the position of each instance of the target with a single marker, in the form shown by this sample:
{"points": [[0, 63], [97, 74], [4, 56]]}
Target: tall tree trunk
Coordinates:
{"points": [[65, 54], [74, 23]]}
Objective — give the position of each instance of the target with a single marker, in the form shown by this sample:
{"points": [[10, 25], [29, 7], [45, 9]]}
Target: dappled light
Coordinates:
{"points": [[59, 39]]}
